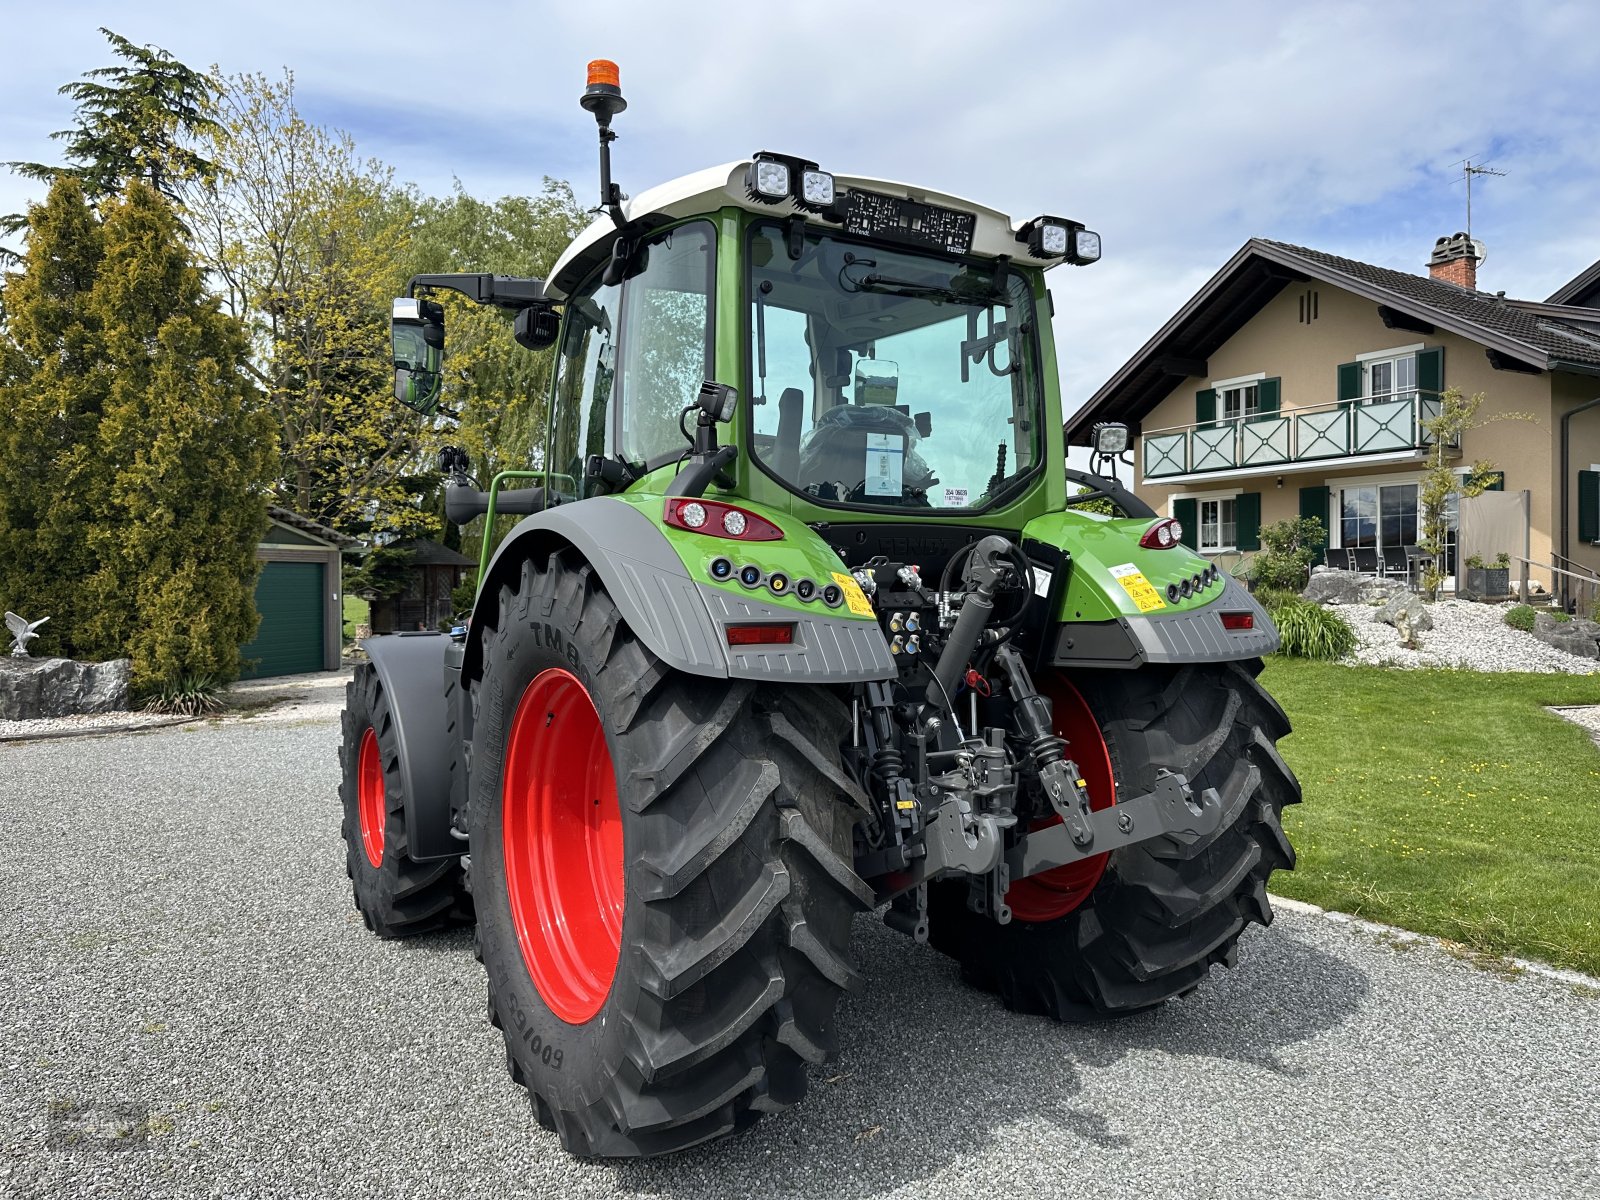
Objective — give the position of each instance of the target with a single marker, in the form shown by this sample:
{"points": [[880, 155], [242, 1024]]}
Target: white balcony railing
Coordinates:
{"points": [[1370, 425]]}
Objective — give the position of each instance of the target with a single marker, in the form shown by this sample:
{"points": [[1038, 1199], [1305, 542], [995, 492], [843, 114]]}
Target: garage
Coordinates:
{"points": [[298, 597]]}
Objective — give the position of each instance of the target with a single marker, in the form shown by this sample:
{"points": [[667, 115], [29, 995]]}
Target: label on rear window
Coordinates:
{"points": [[1138, 587], [885, 454]]}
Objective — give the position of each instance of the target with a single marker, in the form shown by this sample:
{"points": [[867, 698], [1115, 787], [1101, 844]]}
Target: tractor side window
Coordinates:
{"points": [[585, 374], [666, 341]]}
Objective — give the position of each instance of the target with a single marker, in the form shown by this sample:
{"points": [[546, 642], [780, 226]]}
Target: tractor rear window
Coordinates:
{"points": [[883, 378]]}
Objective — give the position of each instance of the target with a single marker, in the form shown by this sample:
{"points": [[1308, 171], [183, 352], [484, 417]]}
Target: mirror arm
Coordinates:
{"points": [[502, 291]]}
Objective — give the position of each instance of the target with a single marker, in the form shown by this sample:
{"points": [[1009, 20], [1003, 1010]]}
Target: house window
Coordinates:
{"points": [[1219, 528], [1391, 379], [1241, 401], [1381, 516]]}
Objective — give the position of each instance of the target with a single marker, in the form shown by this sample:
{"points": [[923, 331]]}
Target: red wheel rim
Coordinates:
{"points": [[562, 832], [1052, 894], [370, 802]]}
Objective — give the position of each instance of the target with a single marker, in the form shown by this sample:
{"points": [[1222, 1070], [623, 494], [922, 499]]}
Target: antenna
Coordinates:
{"points": [[1467, 172]]}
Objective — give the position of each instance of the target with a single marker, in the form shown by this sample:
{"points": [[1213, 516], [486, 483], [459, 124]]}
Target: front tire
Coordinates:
{"points": [[715, 942], [1160, 914], [396, 895]]}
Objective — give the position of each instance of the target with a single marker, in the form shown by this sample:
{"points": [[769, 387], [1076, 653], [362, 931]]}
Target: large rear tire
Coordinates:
{"points": [[396, 895], [661, 869], [1160, 914]]}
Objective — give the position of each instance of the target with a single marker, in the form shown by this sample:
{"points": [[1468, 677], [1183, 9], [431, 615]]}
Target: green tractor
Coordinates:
{"points": [[801, 621]]}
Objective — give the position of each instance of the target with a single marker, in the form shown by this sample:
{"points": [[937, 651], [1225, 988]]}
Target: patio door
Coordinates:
{"points": [[1380, 517]]}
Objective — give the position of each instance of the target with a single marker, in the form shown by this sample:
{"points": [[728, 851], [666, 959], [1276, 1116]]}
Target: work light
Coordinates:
{"points": [[816, 189], [1110, 437], [769, 180], [1085, 247]]}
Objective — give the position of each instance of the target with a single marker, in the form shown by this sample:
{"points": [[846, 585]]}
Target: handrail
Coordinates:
{"points": [[490, 514], [1586, 581]]}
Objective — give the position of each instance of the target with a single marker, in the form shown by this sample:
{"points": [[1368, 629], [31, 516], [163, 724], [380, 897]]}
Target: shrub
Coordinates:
{"points": [[186, 695], [1291, 547], [1520, 617], [1561, 618], [1312, 631], [1273, 599]]}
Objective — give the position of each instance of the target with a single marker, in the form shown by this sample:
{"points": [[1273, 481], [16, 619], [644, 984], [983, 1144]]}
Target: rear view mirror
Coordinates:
{"points": [[416, 335], [877, 381]]}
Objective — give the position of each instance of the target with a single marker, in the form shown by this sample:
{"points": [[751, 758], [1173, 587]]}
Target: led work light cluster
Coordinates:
{"points": [[1057, 237], [774, 178], [752, 578]]}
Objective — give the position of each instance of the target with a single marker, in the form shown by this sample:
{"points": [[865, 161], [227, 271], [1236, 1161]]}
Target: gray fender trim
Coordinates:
{"points": [[1183, 637], [681, 620], [411, 668]]}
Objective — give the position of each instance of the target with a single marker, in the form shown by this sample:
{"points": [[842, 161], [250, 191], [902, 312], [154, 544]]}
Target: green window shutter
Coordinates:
{"points": [[1247, 515], [1187, 514], [1268, 393], [1349, 383], [1497, 482], [1314, 504], [1430, 370], [1588, 506], [1205, 407]]}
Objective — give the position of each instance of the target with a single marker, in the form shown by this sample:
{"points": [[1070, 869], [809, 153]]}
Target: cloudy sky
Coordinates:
{"points": [[1177, 130]]}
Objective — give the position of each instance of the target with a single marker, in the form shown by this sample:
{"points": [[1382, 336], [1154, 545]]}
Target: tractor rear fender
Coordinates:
{"points": [[681, 619], [411, 670]]}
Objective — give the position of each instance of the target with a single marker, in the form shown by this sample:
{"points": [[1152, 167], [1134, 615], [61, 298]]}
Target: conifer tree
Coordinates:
{"points": [[187, 444], [53, 383]]}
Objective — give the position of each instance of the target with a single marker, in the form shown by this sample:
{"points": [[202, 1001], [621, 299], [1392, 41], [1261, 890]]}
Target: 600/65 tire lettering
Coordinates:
{"points": [[544, 1051]]}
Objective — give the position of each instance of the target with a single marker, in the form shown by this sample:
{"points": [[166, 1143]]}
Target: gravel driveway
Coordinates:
{"points": [[176, 937]]}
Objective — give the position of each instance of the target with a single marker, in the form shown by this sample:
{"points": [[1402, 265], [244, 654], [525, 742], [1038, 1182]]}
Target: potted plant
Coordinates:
{"points": [[1486, 581], [1497, 578]]}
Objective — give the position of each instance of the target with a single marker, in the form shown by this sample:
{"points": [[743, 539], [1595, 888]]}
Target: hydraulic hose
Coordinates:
{"points": [[985, 570]]}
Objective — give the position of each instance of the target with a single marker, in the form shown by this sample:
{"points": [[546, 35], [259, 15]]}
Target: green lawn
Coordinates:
{"points": [[356, 612], [1447, 802]]}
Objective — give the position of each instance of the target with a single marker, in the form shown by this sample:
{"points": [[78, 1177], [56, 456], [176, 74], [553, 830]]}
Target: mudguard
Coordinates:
{"points": [[411, 668], [682, 620]]}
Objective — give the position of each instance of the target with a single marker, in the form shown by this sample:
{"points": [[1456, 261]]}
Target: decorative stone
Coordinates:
{"points": [[1408, 608], [31, 688], [1577, 636], [1348, 587]]}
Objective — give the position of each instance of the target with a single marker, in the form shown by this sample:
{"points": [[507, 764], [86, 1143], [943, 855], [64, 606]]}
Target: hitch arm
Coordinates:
{"points": [[1170, 809]]}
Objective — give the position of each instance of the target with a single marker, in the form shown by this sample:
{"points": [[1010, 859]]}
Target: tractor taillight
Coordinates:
{"points": [[776, 634], [720, 520], [1238, 620], [1163, 535]]}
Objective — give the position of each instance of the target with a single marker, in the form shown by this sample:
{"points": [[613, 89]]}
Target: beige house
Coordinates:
{"points": [[1298, 383]]}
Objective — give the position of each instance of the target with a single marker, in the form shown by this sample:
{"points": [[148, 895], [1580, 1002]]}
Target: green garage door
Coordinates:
{"points": [[289, 641]]}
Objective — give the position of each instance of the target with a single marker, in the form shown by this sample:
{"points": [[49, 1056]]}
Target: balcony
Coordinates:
{"points": [[1392, 426]]}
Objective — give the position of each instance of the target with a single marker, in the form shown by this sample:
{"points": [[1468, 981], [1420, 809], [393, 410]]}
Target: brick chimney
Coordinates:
{"points": [[1455, 260]]}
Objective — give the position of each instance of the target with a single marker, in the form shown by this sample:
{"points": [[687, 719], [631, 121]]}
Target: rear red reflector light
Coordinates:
{"points": [[1238, 620], [761, 635]]}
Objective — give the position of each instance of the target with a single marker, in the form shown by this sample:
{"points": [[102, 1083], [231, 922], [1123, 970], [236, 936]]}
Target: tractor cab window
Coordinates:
{"points": [[586, 370], [888, 378], [666, 341], [632, 358]]}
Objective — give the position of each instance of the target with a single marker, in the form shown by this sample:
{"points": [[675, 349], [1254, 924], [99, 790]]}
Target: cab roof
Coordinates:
{"points": [[707, 190]]}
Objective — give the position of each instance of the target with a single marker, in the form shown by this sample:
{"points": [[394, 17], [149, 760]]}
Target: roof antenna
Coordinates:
{"points": [[603, 97], [1467, 172]]}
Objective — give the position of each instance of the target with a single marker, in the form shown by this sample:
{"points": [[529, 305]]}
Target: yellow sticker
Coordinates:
{"points": [[853, 595], [1138, 587]]}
